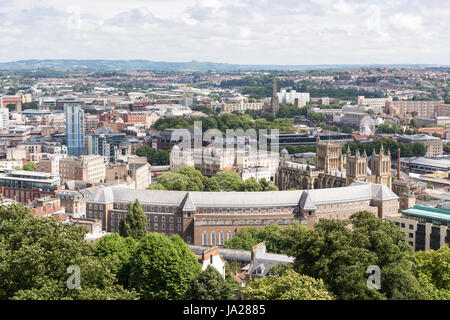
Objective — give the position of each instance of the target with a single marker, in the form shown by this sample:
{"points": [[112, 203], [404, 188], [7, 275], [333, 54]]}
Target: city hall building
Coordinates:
{"points": [[211, 218]]}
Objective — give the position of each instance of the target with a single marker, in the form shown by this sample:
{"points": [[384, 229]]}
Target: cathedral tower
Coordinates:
{"points": [[381, 167], [356, 167], [329, 155]]}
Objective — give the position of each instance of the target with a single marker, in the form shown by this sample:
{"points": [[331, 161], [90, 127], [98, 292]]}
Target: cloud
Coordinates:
{"points": [[233, 31]]}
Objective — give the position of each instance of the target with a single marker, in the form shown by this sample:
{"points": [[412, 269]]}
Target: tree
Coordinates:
{"points": [[208, 285], [245, 239], [36, 253], [163, 267], [174, 181], [250, 185], [433, 268], [30, 166], [135, 223], [120, 250], [340, 256], [228, 181], [154, 157], [288, 286]]}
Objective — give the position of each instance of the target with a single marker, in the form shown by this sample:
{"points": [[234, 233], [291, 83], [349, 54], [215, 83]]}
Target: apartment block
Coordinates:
{"points": [[87, 168]]}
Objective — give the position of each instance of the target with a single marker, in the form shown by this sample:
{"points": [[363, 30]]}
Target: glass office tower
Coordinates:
{"points": [[75, 134]]}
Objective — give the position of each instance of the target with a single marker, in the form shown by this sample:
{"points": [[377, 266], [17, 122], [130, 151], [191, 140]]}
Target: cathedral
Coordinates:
{"points": [[333, 169]]}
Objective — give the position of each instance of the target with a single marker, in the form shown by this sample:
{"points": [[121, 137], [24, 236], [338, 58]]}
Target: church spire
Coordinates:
{"points": [[274, 103]]}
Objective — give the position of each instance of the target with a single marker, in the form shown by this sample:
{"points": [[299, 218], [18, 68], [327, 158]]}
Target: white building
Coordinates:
{"points": [[375, 104], [299, 99], [4, 119]]}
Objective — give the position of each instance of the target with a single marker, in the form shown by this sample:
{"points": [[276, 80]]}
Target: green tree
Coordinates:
{"points": [[340, 256], [135, 223], [228, 180], [174, 181], [163, 267], [288, 286], [120, 250], [208, 285], [250, 185], [36, 253], [433, 268], [30, 166]]}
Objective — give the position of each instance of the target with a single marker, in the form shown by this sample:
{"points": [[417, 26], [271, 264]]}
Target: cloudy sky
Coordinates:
{"points": [[232, 31]]}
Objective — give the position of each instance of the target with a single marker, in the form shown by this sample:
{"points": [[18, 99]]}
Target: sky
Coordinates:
{"points": [[280, 32]]}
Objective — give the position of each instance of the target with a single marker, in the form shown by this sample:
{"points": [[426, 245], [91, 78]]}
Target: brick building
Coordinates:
{"points": [[211, 218]]}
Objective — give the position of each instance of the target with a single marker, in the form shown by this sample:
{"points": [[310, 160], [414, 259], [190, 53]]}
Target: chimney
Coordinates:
{"points": [[398, 164]]}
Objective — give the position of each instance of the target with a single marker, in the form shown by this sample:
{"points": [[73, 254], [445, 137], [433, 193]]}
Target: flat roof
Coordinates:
{"points": [[427, 214]]}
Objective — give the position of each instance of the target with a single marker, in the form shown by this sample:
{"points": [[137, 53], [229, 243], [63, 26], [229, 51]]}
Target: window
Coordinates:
{"points": [[155, 218], [171, 219], [171, 227], [228, 210], [155, 226], [235, 210], [163, 219], [148, 226], [251, 210], [221, 238], [152, 209], [163, 226], [213, 238], [179, 227], [205, 238], [212, 210], [148, 218], [220, 210], [167, 209], [112, 215], [411, 227], [411, 235], [204, 210], [259, 210], [189, 239], [229, 235], [179, 219], [159, 209], [267, 210], [403, 225]]}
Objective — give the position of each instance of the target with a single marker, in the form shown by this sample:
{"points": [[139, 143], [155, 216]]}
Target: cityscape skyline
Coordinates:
{"points": [[244, 32]]}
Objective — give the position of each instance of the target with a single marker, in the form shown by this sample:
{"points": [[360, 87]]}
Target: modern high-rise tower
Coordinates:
{"points": [[75, 133]]}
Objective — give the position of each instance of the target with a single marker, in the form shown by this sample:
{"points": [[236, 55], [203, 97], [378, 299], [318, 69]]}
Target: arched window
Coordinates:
{"points": [[221, 238], [204, 238], [229, 235]]}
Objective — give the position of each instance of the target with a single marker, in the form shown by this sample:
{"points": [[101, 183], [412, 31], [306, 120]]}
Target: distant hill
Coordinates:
{"points": [[132, 65]]}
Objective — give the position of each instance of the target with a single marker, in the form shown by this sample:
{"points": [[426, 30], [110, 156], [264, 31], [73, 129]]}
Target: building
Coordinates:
{"points": [[426, 225], [284, 139], [434, 121], [424, 165], [435, 146], [329, 170], [211, 218], [134, 169], [375, 104], [4, 119], [89, 168], [298, 99], [106, 143], [25, 186], [426, 109], [75, 130], [240, 107], [48, 165]]}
